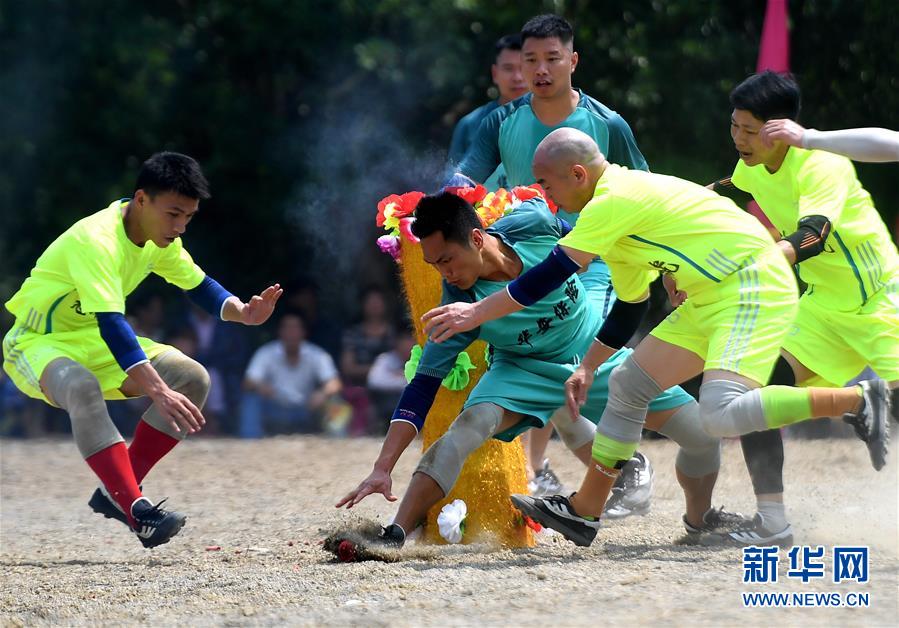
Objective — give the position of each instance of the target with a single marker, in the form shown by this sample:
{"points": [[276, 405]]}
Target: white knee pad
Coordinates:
{"points": [[182, 374], [630, 391], [575, 434], [700, 453], [443, 460], [75, 389], [729, 408]]}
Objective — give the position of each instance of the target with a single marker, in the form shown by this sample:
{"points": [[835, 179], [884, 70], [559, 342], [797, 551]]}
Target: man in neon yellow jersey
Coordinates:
{"points": [[740, 290]]}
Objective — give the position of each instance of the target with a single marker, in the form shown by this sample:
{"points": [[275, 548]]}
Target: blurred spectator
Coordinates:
{"points": [[147, 314], [288, 383], [387, 379], [24, 417], [362, 343], [302, 295], [223, 349]]}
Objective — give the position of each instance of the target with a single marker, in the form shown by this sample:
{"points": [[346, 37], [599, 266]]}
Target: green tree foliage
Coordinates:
{"points": [[305, 113]]}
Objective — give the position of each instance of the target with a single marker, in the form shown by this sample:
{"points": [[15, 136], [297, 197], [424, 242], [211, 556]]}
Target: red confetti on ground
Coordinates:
{"points": [[213, 548], [346, 552], [289, 543]]}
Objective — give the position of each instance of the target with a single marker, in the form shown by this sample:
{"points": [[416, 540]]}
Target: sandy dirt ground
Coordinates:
{"points": [[269, 503]]}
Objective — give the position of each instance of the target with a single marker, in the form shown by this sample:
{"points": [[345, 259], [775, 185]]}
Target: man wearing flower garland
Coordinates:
{"points": [[534, 352], [510, 135]]}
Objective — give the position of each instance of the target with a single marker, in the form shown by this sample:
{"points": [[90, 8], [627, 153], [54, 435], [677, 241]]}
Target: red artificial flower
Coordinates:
{"points": [[392, 199], [408, 203], [473, 195], [400, 206], [527, 192]]}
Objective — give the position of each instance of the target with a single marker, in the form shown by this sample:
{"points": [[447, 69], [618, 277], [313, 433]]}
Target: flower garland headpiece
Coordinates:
{"points": [[395, 211]]}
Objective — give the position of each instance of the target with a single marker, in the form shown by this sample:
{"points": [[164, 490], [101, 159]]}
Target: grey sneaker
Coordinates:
{"points": [[545, 482], [632, 492], [755, 533], [871, 422], [557, 513], [719, 521]]}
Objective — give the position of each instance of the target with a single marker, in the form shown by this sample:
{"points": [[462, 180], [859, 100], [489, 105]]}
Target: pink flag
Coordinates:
{"points": [[774, 51], [774, 54]]}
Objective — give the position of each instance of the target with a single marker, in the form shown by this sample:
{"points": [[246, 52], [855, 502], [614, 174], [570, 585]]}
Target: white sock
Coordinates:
{"points": [[774, 516]]}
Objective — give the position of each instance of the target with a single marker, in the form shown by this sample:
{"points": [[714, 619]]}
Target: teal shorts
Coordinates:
{"points": [[536, 389]]}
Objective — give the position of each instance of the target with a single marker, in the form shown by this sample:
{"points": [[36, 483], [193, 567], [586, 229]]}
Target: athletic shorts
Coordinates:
{"points": [[741, 324], [536, 389], [837, 346], [27, 353]]}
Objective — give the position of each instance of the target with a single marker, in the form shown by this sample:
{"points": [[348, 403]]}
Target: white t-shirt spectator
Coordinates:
{"points": [[387, 373], [293, 383]]}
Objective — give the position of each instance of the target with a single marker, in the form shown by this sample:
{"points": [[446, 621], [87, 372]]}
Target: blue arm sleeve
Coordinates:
{"points": [[621, 323], [543, 278], [564, 227], [210, 296], [120, 338], [416, 401]]}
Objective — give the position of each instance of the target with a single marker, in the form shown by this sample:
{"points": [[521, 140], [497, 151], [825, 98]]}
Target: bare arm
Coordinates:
{"points": [[399, 436], [443, 322]]}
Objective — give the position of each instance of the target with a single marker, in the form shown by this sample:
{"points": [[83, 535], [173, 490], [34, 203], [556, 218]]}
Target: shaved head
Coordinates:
{"points": [[567, 147], [568, 164]]}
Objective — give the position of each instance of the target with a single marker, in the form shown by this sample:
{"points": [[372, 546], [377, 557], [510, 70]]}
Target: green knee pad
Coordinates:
{"points": [[610, 452]]}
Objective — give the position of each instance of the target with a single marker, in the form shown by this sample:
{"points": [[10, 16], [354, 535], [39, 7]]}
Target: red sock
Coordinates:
{"points": [[148, 448], [113, 468]]}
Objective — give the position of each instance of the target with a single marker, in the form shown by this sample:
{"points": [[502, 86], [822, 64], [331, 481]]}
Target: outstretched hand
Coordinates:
{"points": [[444, 322], [376, 482], [260, 307]]}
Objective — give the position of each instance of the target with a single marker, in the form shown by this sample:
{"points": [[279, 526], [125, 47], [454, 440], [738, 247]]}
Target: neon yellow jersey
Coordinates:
{"points": [[859, 258], [642, 224], [91, 268]]}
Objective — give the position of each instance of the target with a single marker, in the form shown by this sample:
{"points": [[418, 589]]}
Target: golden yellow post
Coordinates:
{"points": [[496, 469]]}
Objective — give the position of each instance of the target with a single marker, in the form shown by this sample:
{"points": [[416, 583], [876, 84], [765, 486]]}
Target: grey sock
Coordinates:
{"points": [[774, 516]]}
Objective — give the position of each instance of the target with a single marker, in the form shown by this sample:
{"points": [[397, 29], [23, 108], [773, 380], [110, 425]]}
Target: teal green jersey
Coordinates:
{"points": [[465, 131], [559, 326], [511, 133]]}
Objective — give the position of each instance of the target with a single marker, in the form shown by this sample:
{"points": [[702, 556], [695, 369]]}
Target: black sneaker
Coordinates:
{"points": [[632, 491], [353, 546], [755, 533], [153, 525], [545, 482], [871, 422], [101, 503], [557, 513], [719, 521]]}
